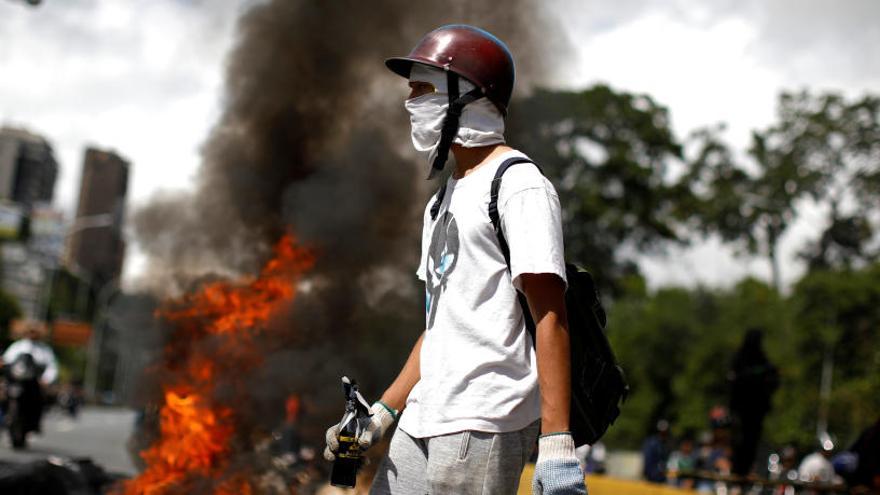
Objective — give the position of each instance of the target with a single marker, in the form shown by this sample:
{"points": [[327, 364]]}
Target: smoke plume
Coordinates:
{"points": [[314, 134]]}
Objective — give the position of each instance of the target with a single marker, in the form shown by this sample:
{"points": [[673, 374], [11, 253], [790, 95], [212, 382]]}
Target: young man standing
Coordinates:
{"points": [[474, 392]]}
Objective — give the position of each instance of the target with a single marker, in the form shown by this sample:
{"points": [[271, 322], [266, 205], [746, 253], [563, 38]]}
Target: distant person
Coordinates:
{"points": [[783, 469], [817, 467], [591, 458], [866, 449], [753, 380], [789, 463], [31, 343], [682, 460], [655, 454]]}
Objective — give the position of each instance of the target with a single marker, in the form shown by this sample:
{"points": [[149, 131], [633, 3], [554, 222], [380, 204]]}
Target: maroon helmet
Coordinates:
{"points": [[470, 52]]}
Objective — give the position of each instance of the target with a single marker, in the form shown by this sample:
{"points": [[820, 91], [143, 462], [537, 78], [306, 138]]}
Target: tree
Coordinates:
{"points": [[836, 312], [650, 334], [676, 346], [607, 153], [822, 148], [841, 140]]}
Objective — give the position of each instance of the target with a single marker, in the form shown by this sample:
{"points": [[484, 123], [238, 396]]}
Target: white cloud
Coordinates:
{"points": [[702, 75], [89, 73]]}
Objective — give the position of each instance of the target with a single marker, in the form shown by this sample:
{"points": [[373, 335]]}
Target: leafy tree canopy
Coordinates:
{"points": [[608, 154], [822, 148]]}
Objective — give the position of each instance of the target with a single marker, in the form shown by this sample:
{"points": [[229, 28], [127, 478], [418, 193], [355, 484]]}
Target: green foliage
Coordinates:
{"points": [[607, 153], [676, 346], [822, 148], [839, 312], [71, 363]]}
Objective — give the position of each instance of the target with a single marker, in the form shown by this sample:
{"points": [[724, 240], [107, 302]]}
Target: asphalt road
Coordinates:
{"points": [[98, 433]]}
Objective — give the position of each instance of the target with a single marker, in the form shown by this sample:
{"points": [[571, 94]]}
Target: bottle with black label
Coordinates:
{"points": [[350, 456]]}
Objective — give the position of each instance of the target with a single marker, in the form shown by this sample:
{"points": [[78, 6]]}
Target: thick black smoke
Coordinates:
{"points": [[314, 133], [314, 138]]}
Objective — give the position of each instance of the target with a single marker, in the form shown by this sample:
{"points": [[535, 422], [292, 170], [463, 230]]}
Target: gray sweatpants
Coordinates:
{"points": [[464, 463]]}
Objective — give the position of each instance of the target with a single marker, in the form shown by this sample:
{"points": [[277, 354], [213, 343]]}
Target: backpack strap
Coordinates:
{"points": [[495, 217], [493, 203], [435, 208]]}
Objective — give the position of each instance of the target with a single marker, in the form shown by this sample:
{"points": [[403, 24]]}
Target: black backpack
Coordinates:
{"points": [[598, 385]]}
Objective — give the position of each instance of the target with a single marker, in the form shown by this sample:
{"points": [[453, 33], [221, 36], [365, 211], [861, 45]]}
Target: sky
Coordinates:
{"points": [[144, 77]]}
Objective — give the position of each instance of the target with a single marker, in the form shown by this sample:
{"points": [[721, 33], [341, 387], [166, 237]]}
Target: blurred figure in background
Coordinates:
{"points": [[865, 473], [753, 380], [655, 454], [783, 467], [31, 344], [714, 454], [682, 460], [70, 397], [817, 466], [591, 458]]}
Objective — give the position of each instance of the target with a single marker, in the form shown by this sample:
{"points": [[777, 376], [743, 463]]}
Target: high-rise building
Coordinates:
{"points": [[99, 249], [27, 180], [27, 168]]}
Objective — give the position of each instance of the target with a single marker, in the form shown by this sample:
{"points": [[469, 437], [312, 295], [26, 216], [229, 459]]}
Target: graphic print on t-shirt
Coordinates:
{"points": [[441, 261]]}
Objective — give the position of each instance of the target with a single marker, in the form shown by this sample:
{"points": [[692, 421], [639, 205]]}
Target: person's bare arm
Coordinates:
{"points": [[545, 293], [410, 374]]}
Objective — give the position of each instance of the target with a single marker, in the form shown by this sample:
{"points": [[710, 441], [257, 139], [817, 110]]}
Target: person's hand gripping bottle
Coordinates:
{"points": [[350, 453]]}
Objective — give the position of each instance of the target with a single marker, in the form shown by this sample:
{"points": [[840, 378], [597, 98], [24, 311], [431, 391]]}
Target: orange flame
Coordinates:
{"points": [[196, 430]]}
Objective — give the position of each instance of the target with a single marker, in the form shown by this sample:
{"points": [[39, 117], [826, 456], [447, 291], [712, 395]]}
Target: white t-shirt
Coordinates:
{"points": [[41, 353], [478, 368]]}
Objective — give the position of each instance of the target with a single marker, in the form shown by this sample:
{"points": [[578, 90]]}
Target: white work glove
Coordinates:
{"points": [[557, 471], [381, 418]]}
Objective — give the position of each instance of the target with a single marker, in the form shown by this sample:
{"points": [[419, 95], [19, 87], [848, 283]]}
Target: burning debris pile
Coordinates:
{"points": [[304, 143], [220, 333]]}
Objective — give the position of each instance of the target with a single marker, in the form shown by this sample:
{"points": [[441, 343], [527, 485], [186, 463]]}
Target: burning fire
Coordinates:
{"points": [[210, 347]]}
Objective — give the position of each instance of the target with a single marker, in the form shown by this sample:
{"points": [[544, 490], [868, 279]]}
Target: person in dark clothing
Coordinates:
{"points": [[655, 454], [867, 452], [753, 380]]}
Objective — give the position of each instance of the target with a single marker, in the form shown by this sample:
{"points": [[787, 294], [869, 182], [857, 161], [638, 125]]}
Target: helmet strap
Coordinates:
{"points": [[452, 120]]}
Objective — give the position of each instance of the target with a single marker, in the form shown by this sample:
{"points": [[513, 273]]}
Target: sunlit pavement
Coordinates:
{"points": [[97, 433]]}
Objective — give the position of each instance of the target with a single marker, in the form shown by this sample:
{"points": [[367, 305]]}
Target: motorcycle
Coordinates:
{"points": [[23, 401]]}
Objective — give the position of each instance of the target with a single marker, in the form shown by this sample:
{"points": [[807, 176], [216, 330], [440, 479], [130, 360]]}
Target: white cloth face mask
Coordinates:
{"points": [[426, 114], [481, 124]]}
